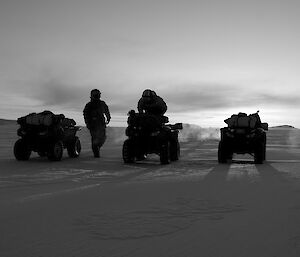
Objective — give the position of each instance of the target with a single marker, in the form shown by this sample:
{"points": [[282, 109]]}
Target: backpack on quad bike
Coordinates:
{"points": [[47, 134], [149, 134], [244, 134]]}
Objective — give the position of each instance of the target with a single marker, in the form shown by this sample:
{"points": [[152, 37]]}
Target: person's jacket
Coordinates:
{"points": [[94, 112], [156, 105]]}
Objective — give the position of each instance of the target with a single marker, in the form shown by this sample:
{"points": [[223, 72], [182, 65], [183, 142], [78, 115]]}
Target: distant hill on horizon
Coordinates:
{"points": [[284, 127], [7, 122]]}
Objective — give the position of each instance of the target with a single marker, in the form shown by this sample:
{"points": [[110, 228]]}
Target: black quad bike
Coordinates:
{"points": [[47, 134], [245, 134], [149, 134]]}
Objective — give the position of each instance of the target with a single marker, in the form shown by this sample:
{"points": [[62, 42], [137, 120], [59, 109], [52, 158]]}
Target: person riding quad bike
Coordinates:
{"points": [[149, 134]]}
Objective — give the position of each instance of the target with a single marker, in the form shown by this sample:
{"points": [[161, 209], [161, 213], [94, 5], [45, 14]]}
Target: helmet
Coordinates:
{"points": [[148, 93], [153, 93], [95, 94]]}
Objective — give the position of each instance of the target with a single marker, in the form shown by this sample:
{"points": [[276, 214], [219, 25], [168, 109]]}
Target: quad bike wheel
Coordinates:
{"points": [[165, 153], [127, 151], [259, 153], [224, 152], [264, 153], [21, 150], [264, 146], [174, 150], [56, 151], [74, 148]]}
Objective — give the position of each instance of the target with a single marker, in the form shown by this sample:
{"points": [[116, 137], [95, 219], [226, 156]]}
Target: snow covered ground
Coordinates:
{"points": [[192, 207]]}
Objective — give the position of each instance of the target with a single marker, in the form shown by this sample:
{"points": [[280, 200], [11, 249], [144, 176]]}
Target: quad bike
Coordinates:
{"points": [[47, 134], [245, 134], [149, 134]]}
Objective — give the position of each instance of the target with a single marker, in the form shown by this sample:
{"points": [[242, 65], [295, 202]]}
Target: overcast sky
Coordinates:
{"points": [[207, 59]]}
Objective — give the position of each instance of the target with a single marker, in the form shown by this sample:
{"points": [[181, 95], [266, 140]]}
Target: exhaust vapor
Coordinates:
{"points": [[192, 132]]}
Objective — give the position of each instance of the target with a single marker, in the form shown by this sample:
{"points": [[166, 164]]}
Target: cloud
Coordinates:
{"points": [[51, 91], [199, 96], [67, 90], [56, 92], [207, 96], [283, 99]]}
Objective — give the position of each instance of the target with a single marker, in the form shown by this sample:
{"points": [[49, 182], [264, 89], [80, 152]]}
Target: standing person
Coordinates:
{"points": [[96, 116]]}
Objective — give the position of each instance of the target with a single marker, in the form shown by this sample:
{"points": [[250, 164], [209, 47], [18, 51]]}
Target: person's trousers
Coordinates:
{"points": [[98, 138]]}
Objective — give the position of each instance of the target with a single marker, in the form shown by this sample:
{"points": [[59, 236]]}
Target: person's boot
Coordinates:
{"points": [[96, 151]]}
